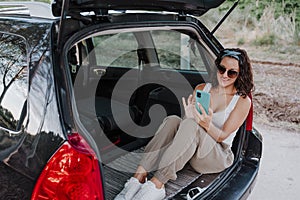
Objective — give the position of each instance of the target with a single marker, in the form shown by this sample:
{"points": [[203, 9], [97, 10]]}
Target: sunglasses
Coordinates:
{"points": [[230, 73]]}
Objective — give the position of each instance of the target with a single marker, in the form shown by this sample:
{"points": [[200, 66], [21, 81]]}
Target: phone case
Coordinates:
{"points": [[204, 99]]}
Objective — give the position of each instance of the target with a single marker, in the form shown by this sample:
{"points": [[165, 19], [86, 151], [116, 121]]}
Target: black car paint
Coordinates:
{"points": [[29, 150]]}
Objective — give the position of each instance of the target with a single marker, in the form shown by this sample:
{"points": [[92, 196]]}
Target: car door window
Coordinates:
{"points": [[174, 49], [116, 50], [178, 50], [13, 80]]}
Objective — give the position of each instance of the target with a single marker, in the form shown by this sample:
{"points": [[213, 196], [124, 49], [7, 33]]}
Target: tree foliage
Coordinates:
{"points": [[282, 7]]}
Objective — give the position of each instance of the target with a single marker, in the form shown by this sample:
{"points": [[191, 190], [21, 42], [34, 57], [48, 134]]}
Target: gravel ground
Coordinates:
{"points": [[277, 97], [276, 102], [278, 177]]}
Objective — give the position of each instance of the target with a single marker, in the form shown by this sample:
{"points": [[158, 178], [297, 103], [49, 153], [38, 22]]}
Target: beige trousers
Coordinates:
{"points": [[178, 142]]}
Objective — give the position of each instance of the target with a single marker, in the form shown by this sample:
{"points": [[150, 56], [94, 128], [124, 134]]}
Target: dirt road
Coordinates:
{"points": [[276, 96], [277, 116], [279, 175]]}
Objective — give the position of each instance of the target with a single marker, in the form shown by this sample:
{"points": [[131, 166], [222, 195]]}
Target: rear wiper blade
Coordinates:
{"points": [[225, 16]]}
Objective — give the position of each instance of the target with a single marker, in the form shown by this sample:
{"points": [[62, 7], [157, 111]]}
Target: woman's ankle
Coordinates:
{"points": [[158, 184], [140, 174], [140, 177]]}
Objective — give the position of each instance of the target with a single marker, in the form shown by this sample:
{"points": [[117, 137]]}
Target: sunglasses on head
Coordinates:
{"points": [[230, 73]]}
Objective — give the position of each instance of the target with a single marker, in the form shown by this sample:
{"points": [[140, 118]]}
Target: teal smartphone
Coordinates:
{"points": [[204, 99]]}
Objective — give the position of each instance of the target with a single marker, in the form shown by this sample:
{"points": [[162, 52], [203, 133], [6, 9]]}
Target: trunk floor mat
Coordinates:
{"points": [[118, 171]]}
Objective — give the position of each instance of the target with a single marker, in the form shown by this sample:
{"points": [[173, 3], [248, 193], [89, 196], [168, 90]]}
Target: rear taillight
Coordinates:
{"points": [[249, 119], [72, 173]]}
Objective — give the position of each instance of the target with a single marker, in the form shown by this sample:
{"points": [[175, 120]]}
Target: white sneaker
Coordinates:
{"points": [[131, 187], [149, 191]]}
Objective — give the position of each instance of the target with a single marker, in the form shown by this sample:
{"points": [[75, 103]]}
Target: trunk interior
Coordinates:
{"points": [[124, 90], [120, 170]]}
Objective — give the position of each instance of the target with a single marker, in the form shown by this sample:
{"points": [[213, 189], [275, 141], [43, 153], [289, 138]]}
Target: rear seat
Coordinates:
{"points": [[104, 112]]}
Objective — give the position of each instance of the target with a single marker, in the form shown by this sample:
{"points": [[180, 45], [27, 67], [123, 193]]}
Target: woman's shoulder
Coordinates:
{"points": [[244, 101]]}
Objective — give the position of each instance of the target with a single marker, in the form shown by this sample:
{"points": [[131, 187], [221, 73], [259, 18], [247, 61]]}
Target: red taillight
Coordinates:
{"points": [[249, 119], [72, 173]]}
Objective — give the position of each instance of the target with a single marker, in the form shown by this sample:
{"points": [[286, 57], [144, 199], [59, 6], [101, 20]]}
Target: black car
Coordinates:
{"points": [[84, 84]]}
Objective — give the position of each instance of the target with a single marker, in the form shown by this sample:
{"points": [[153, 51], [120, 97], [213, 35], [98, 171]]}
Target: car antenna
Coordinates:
{"points": [[225, 16]]}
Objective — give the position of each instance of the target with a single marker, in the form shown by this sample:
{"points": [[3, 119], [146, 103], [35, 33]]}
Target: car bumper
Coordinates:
{"points": [[241, 178], [239, 185]]}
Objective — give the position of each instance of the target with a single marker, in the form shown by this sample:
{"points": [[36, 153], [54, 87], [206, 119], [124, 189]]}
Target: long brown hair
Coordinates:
{"points": [[244, 82]]}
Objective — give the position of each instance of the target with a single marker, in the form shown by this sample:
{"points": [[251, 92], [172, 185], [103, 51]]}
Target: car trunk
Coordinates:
{"points": [[120, 170], [121, 150], [144, 85]]}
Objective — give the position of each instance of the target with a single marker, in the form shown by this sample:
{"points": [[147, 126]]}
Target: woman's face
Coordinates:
{"points": [[231, 64]]}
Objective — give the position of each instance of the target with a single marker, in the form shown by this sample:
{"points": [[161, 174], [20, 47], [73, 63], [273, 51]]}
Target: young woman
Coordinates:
{"points": [[204, 140]]}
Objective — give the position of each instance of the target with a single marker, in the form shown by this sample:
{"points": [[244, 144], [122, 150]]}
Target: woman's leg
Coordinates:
{"points": [[159, 143], [211, 157], [183, 147], [161, 140], [189, 141], [178, 153]]}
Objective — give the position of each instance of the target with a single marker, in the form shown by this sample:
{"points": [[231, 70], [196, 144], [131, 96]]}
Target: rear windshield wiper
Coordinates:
{"points": [[225, 16]]}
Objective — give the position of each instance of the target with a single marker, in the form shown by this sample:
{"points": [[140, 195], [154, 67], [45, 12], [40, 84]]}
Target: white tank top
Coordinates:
{"points": [[219, 118]]}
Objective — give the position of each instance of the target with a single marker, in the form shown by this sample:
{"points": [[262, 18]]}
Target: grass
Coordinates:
{"points": [[266, 39]]}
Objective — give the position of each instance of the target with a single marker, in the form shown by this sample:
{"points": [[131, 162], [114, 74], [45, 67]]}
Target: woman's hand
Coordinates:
{"points": [[204, 119], [189, 106]]}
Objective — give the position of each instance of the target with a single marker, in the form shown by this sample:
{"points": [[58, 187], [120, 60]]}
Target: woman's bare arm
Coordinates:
{"points": [[234, 121]]}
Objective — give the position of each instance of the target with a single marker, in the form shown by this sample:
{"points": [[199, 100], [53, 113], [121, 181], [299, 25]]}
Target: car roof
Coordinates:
{"points": [[26, 8], [193, 7]]}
